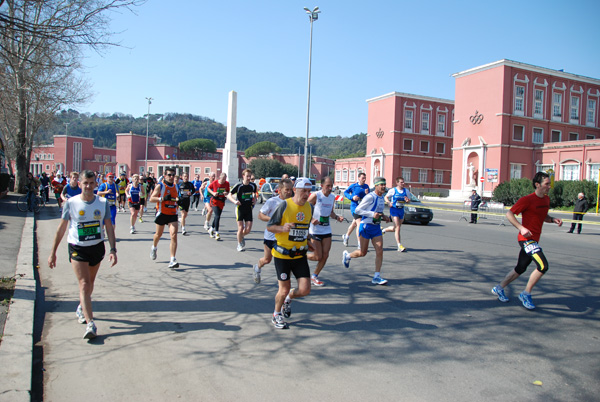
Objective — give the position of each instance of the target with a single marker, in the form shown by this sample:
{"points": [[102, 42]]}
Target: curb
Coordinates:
{"points": [[16, 350]]}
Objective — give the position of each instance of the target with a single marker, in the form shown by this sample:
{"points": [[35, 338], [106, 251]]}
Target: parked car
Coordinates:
{"points": [[267, 191], [414, 211]]}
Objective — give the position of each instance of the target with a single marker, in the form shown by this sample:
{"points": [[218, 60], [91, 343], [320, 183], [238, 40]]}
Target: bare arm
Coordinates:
{"points": [[513, 220], [60, 233], [110, 232]]}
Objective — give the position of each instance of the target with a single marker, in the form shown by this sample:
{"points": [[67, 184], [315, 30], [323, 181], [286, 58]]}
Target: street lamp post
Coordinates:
{"points": [[66, 146], [313, 16], [147, 131]]}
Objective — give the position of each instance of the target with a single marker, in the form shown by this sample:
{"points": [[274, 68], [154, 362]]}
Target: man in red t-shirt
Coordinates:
{"points": [[218, 189], [534, 211]]}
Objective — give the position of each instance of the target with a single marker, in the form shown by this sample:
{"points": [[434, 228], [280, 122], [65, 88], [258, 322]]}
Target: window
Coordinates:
{"points": [[113, 159], [141, 170], [47, 167], [573, 136], [574, 109], [98, 158], [519, 99], [425, 123], [515, 171], [518, 133], [590, 137], [150, 169], [555, 136], [544, 168], [197, 170], [538, 106], [243, 165], [538, 135], [440, 148], [557, 106], [591, 112], [422, 175], [406, 174], [206, 170], [338, 176], [408, 145], [106, 158], [570, 172], [408, 120], [439, 177], [77, 148], [210, 155], [425, 146], [594, 168], [352, 176], [441, 125], [345, 175]]}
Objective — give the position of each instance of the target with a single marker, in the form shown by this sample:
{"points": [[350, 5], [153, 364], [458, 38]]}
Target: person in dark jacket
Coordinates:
{"points": [[581, 207], [475, 201]]}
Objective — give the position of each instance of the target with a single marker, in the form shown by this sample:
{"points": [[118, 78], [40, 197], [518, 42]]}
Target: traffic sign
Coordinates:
{"points": [[482, 179]]}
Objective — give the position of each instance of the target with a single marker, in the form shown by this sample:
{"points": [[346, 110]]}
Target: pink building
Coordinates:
{"points": [[408, 136], [514, 119], [319, 166]]}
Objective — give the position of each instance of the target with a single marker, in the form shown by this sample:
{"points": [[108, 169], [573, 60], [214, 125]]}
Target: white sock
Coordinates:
{"points": [[377, 275], [172, 259]]}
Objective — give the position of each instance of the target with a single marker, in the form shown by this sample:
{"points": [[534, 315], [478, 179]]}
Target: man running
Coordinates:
{"points": [[109, 191], [534, 212], [143, 197], [73, 188], [197, 196], [355, 193], [371, 210], [218, 189], [320, 229], [186, 190], [396, 198], [207, 198], [58, 183], [285, 191], [45, 190], [135, 193], [290, 223], [85, 215], [122, 183], [244, 200], [165, 197]]}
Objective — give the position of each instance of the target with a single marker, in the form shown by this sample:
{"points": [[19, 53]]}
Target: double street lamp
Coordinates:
{"points": [[313, 16]]}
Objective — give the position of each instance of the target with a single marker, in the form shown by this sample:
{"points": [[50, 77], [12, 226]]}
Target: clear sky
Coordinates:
{"points": [[188, 55]]}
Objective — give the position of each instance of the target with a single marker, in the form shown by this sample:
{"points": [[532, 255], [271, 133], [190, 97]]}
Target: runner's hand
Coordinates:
{"points": [[52, 261], [525, 232], [113, 259]]}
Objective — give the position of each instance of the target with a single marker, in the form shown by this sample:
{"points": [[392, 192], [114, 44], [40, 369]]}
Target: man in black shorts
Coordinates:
{"points": [[244, 200], [186, 190], [85, 215], [166, 197]]}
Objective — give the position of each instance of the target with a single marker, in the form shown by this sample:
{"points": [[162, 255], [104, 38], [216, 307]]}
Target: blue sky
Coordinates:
{"points": [[188, 55]]}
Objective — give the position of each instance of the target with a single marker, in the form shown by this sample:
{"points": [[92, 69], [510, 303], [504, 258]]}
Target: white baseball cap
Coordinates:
{"points": [[302, 182]]}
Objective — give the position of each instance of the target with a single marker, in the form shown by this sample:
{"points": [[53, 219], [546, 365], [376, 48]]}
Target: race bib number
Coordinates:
{"points": [[324, 220], [531, 247], [186, 193], [88, 230], [247, 197], [399, 204], [298, 233]]}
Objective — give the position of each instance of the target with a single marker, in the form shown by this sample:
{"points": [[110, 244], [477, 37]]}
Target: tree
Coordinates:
{"points": [[262, 148], [266, 167], [198, 145], [41, 43]]}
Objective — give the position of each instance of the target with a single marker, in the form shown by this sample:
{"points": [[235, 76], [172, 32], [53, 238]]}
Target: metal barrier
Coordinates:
{"points": [[339, 205], [466, 211], [493, 211]]}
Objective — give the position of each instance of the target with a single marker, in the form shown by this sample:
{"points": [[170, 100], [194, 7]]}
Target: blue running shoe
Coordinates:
{"points": [[378, 280], [526, 300], [498, 291], [346, 259]]}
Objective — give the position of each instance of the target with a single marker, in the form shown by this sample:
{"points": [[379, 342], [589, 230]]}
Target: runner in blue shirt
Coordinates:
{"points": [[396, 198], [197, 195], [355, 193], [109, 191], [72, 189]]}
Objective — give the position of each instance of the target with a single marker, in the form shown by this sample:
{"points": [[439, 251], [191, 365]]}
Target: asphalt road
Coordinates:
{"points": [[203, 332]]}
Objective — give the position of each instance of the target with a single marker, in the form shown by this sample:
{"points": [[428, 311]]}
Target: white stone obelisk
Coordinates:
{"points": [[230, 158]]}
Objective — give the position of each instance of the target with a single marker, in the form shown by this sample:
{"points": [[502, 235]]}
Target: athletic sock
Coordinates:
{"points": [[526, 293], [276, 313], [377, 275], [288, 299]]}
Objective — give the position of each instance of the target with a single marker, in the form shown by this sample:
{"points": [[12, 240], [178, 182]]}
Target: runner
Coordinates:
{"points": [[396, 198], [72, 189], [286, 190], [45, 190], [85, 215], [109, 191], [534, 212], [135, 193], [355, 193], [371, 210], [219, 189], [244, 200], [144, 196], [207, 197], [290, 223], [197, 184], [58, 183], [165, 197], [185, 191], [122, 183], [320, 229]]}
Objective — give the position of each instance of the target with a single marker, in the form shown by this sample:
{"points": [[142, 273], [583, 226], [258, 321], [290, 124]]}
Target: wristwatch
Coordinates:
{"points": [[113, 250]]}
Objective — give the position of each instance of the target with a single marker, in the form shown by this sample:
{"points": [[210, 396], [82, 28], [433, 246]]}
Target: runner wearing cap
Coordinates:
{"points": [[371, 210], [58, 183], [122, 183], [290, 223]]}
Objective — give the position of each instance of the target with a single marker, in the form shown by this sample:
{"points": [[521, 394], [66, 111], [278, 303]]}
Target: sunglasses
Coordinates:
{"points": [[169, 174]]}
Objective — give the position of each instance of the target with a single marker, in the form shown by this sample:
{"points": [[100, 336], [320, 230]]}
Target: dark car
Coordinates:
{"points": [[415, 211], [267, 191]]}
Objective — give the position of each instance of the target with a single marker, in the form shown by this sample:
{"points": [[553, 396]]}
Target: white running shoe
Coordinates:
{"points": [[153, 252], [183, 232], [195, 209], [90, 331], [256, 271], [346, 259], [345, 239], [217, 236], [79, 314], [240, 247], [243, 243], [173, 264], [211, 232], [206, 227], [401, 248], [132, 230]]}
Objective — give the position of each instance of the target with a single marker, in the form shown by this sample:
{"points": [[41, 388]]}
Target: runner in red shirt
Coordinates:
{"points": [[534, 211], [218, 189]]}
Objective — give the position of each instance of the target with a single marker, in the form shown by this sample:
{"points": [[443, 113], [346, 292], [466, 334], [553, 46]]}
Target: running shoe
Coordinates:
{"points": [[498, 291], [79, 314], [243, 242], [277, 320], [378, 280], [256, 273], [526, 300], [132, 230], [217, 236], [240, 247], [173, 264], [316, 281], [286, 309], [153, 253], [346, 259], [202, 213], [211, 232], [206, 227], [195, 209], [345, 239], [141, 220], [401, 248], [183, 231], [90, 331]]}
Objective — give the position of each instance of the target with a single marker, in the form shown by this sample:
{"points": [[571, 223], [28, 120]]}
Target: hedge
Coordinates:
{"points": [[564, 193]]}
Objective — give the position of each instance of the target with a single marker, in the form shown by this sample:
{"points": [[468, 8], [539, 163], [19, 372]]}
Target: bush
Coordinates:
{"points": [[509, 192], [572, 188], [432, 194], [563, 194]]}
